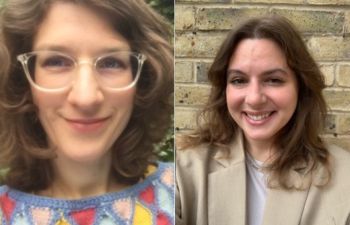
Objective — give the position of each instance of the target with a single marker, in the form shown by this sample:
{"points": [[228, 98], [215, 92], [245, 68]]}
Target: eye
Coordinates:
{"points": [[110, 63], [238, 81], [55, 62], [274, 81]]}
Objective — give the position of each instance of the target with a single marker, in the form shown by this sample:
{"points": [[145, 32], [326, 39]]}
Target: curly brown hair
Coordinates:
{"points": [[23, 141], [299, 141]]}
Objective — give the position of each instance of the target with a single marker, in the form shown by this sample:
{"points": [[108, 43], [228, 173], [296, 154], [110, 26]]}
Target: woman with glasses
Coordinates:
{"points": [[85, 95], [257, 157]]}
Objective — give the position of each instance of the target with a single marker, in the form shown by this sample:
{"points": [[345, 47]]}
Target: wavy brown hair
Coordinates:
{"points": [[23, 141], [298, 142]]}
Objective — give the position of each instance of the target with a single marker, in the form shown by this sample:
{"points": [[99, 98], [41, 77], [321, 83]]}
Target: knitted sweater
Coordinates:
{"points": [[149, 202]]}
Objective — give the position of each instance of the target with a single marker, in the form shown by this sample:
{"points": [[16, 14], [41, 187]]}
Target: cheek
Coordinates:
{"points": [[233, 99], [45, 102], [287, 100], [122, 99]]}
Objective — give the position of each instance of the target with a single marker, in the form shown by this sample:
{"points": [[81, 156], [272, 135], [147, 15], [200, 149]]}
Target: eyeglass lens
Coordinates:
{"points": [[55, 70]]}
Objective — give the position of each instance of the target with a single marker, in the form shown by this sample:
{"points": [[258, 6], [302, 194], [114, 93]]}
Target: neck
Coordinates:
{"points": [[262, 151], [76, 180]]}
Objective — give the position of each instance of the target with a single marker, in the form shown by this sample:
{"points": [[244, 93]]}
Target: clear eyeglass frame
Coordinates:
{"points": [[25, 57]]}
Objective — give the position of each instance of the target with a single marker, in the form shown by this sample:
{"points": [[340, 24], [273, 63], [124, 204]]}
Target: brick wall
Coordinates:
{"points": [[201, 25]]}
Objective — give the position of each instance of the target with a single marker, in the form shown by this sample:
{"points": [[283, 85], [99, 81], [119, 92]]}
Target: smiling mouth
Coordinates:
{"points": [[87, 121], [87, 125], [258, 116]]}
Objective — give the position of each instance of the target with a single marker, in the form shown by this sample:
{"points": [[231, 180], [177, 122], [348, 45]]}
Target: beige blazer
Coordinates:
{"points": [[211, 189]]}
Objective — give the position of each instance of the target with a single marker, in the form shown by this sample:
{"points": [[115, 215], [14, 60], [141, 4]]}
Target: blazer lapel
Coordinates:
{"points": [[227, 187], [284, 207]]}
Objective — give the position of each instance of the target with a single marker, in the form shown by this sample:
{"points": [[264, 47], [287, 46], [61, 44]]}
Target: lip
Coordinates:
{"points": [[87, 125], [258, 118]]}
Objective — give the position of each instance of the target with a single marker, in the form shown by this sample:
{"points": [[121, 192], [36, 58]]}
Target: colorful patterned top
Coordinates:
{"points": [[148, 203]]}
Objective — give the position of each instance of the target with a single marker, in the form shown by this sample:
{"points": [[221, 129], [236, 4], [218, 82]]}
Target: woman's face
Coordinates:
{"points": [[261, 91], [84, 121]]}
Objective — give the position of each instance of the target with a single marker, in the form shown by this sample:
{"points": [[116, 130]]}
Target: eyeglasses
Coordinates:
{"points": [[55, 71]]}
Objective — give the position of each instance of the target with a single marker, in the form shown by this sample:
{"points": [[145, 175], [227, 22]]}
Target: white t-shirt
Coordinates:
{"points": [[256, 191]]}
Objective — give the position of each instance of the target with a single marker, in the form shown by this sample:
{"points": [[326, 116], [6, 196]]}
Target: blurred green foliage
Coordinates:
{"points": [[165, 149], [164, 7]]}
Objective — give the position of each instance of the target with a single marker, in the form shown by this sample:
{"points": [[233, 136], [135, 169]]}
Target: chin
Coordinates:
{"points": [[259, 137], [83, 154]]}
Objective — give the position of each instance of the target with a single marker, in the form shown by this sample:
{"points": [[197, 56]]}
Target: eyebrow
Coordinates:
{"points": [[53, 48], [265, 73], [62, 48]]}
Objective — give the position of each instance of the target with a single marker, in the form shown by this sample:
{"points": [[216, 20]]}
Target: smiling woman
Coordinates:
{"points": [[257, 156], [84, 99]]}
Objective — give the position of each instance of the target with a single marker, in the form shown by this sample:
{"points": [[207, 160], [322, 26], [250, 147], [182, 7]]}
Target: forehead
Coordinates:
{"points": [[77, 26], [256, 47], [257, 53]]}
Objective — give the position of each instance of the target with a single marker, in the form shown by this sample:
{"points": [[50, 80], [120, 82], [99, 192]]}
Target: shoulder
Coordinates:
{"points": [[160, 174], [5, 201], [338, 169], [209, 157], [193, 163], [339, 153], [212, 156], [3, 192], [161, 183], [193, 166], [160, 191], [340, 161], [3, 189], [335, 195], [194, 156], [339, 184], [191, 176], [165, 173]]}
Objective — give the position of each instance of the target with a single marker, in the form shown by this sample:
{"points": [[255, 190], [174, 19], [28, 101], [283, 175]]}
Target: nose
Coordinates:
{"points": [[85, 94], [255, 96]]}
